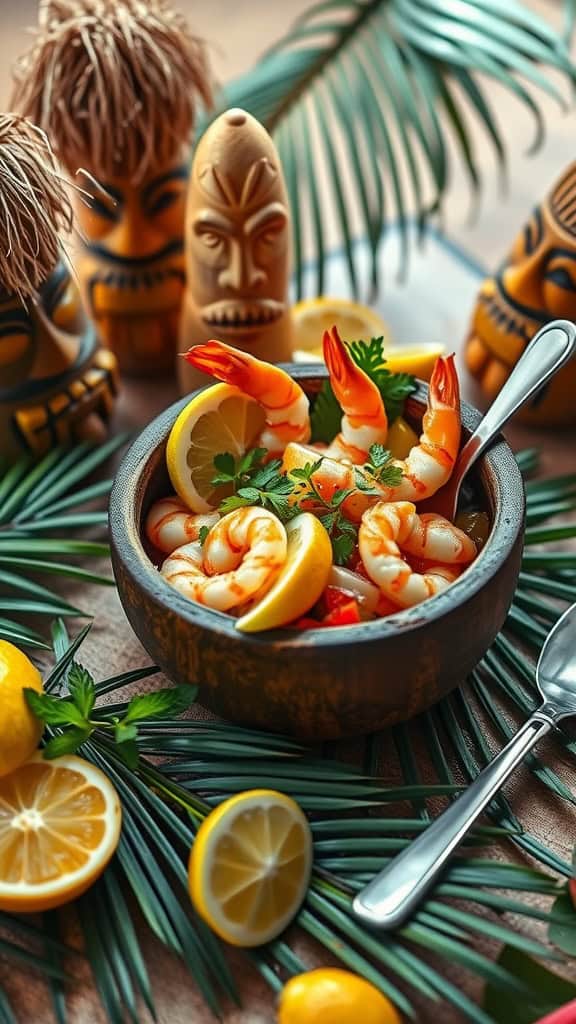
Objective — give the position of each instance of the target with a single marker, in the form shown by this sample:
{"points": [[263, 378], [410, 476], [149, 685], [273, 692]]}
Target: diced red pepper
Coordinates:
{"points": [[306, 622], [335, 597], [343, 615]]}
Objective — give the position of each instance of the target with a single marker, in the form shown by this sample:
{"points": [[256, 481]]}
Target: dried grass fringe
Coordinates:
{"points": [[34, 207], [113, 83]]}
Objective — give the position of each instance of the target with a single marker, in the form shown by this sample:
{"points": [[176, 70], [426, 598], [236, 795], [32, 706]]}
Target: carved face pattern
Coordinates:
{"points": [[131, 264], [55, 383], [237, 231], [536, 283]]}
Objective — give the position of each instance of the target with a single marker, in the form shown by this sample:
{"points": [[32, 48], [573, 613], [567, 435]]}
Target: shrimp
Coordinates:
{"points": [[427, 467], [364, 422], [170, 524], [388, 529], [283, 401], [240, 560]]}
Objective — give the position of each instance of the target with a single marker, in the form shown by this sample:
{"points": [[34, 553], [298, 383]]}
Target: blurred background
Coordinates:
{"points": [[238, 31]]}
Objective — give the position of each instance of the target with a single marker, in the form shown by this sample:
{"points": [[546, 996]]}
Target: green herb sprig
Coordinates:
{"points": [[254, 483], [78, 717]]}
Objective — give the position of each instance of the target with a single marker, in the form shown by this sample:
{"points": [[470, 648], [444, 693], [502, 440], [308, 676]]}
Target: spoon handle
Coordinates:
{"points": [[549, 349], [390, 898]]}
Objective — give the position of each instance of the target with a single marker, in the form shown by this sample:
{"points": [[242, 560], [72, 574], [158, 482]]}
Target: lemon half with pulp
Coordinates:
{"points": [[220, 419], [59, 826], [250, 866]]}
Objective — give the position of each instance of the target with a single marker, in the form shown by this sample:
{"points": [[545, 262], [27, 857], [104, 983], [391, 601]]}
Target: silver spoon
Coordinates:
{"points": [[548, 351], [395, 893]]}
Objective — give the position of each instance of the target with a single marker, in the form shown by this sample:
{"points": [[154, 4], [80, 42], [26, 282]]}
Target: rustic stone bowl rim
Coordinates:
{"points": [[127, 501]]}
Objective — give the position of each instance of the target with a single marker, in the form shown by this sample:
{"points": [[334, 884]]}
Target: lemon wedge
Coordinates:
{"points": [[59, 826], [219, 419], [401, 438], [250, 866], [302, 578], [311, 317], [417, 359]]}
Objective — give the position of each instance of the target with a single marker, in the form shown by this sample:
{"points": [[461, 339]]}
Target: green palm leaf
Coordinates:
{"points": [[370, 97], [359, 819], [42, 505]]}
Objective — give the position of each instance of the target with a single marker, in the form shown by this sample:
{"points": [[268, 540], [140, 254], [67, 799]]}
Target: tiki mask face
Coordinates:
{"points": [[536, 283], [56, 385], [237, 244], [131, 266]]}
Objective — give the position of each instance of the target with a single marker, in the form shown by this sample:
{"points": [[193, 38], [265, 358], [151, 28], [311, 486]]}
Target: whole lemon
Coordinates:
{"points": [[329, 995], [20, 730]]}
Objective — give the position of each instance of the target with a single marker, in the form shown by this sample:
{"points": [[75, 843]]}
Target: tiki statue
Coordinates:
{"points": [[535, 284], [114, 85], [56, 384], [237, 245]]}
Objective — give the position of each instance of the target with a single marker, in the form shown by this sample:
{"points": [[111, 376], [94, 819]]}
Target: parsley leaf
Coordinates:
{"points": [[342, 532], [77, 717], [160, 704], [261, 484], [394, 387], [82, 689], [380, 468]]}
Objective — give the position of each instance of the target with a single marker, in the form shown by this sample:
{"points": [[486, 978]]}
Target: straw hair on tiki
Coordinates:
{"points": [[113, 83], [34, 207]]}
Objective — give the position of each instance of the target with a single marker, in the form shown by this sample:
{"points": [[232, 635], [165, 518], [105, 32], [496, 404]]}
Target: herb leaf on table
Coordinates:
{"points": [[75, 714]]}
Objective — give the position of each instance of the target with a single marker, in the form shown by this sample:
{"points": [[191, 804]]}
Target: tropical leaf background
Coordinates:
{"points": [[372, 101], [41, 504], [359, 817]]}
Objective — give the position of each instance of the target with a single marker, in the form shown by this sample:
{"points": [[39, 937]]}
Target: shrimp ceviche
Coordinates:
{"points": [[287, 514]]}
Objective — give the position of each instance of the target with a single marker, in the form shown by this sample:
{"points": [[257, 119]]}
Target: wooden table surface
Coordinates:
{"points": [[250, 27]]}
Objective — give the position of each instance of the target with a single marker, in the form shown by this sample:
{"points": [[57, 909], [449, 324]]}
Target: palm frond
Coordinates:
{"points": [[42, 506], [369, 98], [359, 818]]}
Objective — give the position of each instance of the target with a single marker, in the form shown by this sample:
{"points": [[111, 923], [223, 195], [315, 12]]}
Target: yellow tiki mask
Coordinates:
{"points": [[237, 245], [131, 265], [114, 85], [56, 384], [536, 283]]}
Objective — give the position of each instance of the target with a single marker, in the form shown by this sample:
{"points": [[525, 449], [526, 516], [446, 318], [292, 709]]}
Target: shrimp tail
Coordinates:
{"points": [[341, 366], [220, 360], [444, 387]]}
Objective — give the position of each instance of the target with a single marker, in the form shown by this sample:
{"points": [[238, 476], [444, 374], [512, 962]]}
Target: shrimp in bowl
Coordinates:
{"points": [[254, 549]]}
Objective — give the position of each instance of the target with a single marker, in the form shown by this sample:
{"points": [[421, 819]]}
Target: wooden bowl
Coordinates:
{"points": [[325, 683]]}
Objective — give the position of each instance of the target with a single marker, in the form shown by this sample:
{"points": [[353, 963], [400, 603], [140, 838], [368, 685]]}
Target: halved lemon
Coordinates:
{"points": [[220, 419], [311, 317], [59, 826], [302, 578], [250, 866]]}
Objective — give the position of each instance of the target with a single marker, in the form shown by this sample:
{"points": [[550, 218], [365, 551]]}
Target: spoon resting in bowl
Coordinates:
{"points": [[548, 351], [390, 898]]}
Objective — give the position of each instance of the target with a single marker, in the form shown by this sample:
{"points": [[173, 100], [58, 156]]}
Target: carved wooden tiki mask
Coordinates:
{"points": [[56, 383], [131, 265], [536, 283], [114, 84], [237, 245]]}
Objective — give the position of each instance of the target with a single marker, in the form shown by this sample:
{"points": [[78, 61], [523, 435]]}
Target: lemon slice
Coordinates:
{"points": [[20, 730], [417, 360], [302, 578], [59, 826], [220, 419], [311, 317], [250, 866]]}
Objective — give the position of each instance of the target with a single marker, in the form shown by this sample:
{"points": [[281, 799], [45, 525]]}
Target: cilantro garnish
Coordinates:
{"points": [[342, 532], [394, 388], [254, 483]]}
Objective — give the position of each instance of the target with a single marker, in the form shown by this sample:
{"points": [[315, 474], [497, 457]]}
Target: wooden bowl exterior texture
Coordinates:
{"points": [[328, 683]]}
